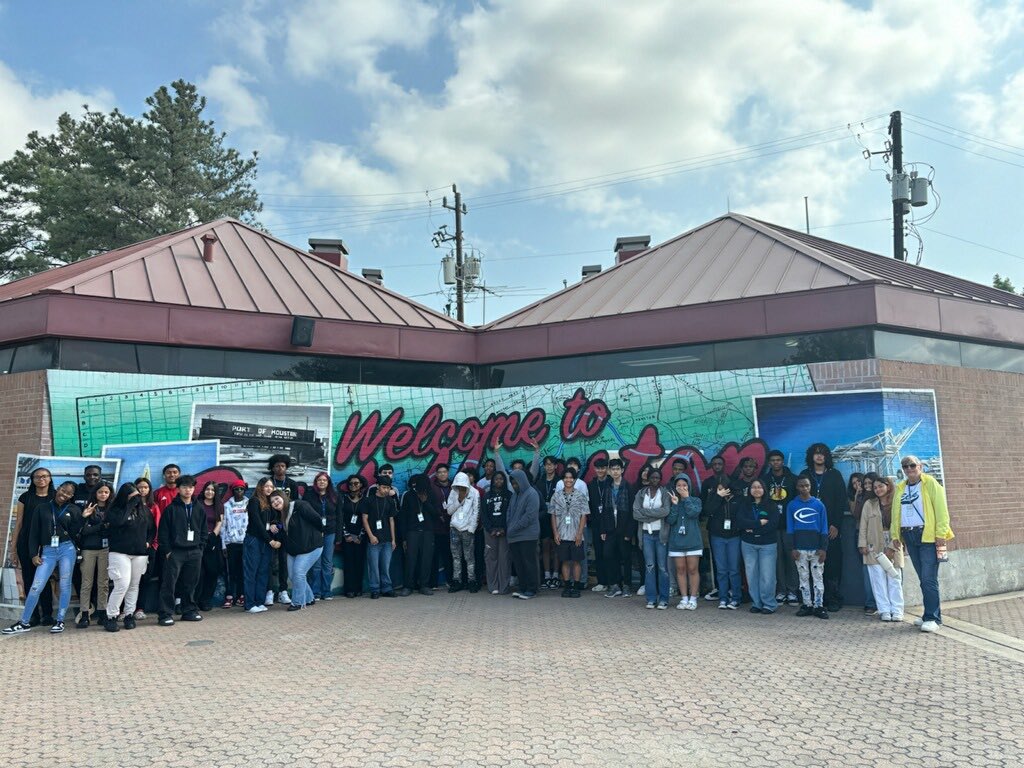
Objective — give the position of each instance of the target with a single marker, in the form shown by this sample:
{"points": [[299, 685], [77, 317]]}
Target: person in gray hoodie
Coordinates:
{"points": [[685, 543], [523, 531], [650, 508]]}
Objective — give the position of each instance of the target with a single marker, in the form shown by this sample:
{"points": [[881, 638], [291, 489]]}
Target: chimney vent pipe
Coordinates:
{"points": [[208, 240]]}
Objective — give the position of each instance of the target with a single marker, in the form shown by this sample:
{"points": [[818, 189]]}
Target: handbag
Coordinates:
{"points": [[9, 584]]}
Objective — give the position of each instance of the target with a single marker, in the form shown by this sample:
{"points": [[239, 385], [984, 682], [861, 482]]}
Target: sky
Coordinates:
{"points": [[565, 125]]}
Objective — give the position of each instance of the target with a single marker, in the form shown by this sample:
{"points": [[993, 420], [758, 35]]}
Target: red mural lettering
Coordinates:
{"points": [[363, 440], [646, 448], [399, 444], [583, 418]]}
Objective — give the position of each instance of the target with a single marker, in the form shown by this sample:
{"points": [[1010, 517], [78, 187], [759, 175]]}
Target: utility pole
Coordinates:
{"points": [[460, 209], [896, 137]]}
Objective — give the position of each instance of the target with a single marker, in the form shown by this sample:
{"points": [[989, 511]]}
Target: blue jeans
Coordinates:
{"points": [[727, 568], [321, 575], [760, 561], [298, 567], [64, 556], [655, 556], [378, 559], [926, 564], [256, 554]]}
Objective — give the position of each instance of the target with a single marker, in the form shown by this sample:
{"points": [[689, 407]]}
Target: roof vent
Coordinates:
{"points": [[332, 251], [628, 247], [374, 276], [590, 270], [208, 240]]}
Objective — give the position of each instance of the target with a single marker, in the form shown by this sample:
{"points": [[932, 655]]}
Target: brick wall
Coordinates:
{"points": [[848, 374], [981, 425], [24, 427]]}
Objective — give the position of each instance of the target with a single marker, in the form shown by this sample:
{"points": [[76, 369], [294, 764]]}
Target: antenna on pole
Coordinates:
{"points": [[807, 216]]}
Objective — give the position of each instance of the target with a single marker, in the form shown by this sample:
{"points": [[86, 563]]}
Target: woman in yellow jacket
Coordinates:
{"points": [[920, 520]]}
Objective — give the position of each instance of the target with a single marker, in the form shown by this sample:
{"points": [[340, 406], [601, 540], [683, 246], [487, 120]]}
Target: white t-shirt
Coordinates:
{"points": [[911, 507]]}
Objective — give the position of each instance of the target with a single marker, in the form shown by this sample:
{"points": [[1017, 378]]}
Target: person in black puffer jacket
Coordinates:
{"points": [[132, 529]]}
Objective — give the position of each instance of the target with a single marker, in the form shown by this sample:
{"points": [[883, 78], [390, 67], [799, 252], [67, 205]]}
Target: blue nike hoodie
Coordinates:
{"points": [[806, 525]]}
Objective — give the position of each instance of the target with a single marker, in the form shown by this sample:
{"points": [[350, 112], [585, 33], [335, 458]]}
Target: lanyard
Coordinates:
{"points": [[818, 480], [58, 527], [188, 516], [323, 506]]}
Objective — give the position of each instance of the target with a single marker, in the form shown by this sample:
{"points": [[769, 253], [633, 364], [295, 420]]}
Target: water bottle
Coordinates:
{"points": [[941, 554]]}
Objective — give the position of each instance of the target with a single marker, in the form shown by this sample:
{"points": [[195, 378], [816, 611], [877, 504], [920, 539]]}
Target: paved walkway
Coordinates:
{"points": [[1004, 616], [469, 680]]}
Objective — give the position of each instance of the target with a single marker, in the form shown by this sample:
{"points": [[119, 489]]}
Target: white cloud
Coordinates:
{"points": [[242, 27], [547, 92], [239, 107], [998, 115], [26, 109]]}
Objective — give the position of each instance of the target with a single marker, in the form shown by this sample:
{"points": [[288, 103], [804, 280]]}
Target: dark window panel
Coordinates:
{"points": [[403, 373], [993, 358], [6, 356], [651, 362], [79, 355], [916, 349], [37, 356]]}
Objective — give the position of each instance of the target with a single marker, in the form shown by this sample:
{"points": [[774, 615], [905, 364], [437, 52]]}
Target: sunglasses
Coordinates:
{"points": [[909, 466]]}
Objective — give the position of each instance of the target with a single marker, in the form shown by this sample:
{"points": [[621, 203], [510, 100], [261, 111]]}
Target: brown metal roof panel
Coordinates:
{"points": [[101, 285], [277, 268], [195, 274], [717, 263], [309, 281], [375, 306], [131, 282]]}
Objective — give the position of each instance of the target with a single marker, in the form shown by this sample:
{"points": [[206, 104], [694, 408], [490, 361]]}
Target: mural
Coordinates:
{"points": [[867, 430], [694, 416]]}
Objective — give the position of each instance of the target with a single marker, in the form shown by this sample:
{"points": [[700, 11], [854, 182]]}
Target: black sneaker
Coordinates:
{"points": [[576, 589], [755, 609], [129, 621], [192, 616], [57, 627], [821, 612], [17, 628], [426, 592], [83, 620], [805, 610], [455, 586], [405, 592], [474, 587], [374, 595], [294, 607], [110, 624], [166, 621], [389, 593], [567, 592]]}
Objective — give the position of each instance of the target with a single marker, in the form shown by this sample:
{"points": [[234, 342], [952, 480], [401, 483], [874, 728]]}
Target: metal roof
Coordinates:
{"points": [[251, 271], [736, 257]]}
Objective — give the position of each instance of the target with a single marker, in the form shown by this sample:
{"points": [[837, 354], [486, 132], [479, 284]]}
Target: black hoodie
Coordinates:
{"points": [[49, 520], [494, 508], [95, 530], [259, 520], [327, 509], [780, 491], [178, 521], [131, 528], [304, 531], [719, 510], [412, 509], [350, 522]]}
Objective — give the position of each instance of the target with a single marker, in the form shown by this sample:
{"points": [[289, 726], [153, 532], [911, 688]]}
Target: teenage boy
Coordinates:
{"points": [[599, 495], [780, 489], [617, 527], [546, 485], [827, 484], [746, 475], [569, 510], [485, 482], [166, 493], [440, 485], [378, 511], [277, 466], [807, 535], [91, 476], [182, 537], [709, 485], [416, 528], [463, 508]]}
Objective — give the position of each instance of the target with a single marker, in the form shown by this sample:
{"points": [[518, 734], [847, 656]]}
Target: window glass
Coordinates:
{"points": [[916, 349], [994, 358], [79, 355], [6, 355], [37, 356], [404, 373]]}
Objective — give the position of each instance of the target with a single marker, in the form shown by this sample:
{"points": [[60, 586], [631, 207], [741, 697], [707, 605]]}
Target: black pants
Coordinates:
{"points": [[235, 579], [478, 556], [604, 575], [210, 570], [44, 609], [181, 566], [419, 558], [442, 560], [618, 561], [707, 579], [833, 574], [524, 557], [353, 564], [278, 571]]}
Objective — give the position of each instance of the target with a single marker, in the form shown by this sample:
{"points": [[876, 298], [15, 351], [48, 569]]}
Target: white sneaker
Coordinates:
{"points": [[897, 617], [599, 588], [684, 604], [886, 617], [918, 621], [672, 592], [692, 605], [256, 609], [930, 626], [711, 596], [613, 592], [494, 591], [140, 615], [283, 598], [641, 592], [269, 599]]}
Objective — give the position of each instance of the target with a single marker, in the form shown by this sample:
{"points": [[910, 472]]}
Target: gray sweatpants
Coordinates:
{"points": [[497, 561], [810, 569], [462, 545]]}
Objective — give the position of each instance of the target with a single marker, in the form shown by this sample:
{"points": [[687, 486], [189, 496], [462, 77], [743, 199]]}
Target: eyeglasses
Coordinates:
{"points": [[909, 466]]}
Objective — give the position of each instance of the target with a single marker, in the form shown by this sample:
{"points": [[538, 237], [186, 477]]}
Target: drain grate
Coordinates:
{"points": [[194, 643]]}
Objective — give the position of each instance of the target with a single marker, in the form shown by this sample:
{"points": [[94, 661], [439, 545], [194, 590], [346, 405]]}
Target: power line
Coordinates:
{"points": [[935, 123], [972, 242], [964, 149], [368, 194]]}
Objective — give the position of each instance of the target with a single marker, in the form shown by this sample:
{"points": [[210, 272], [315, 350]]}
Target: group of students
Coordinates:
{"points": [[783, 528]]}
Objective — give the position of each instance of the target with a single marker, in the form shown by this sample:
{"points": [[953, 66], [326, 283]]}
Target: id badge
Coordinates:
{"points": [[268, 526], [568, 520], [55, 541], [323, 521], [727, 525], [190, 535], [419, 516], [380, 525], [106, 543], [496, 514], [353, 520]]}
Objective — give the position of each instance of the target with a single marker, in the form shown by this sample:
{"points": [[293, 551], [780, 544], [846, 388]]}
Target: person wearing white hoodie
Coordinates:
{"points": [[463, 506]]}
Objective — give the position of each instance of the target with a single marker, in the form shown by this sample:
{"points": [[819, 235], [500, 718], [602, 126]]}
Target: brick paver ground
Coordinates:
{"points": [[1006, 616], [467, 680]]}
